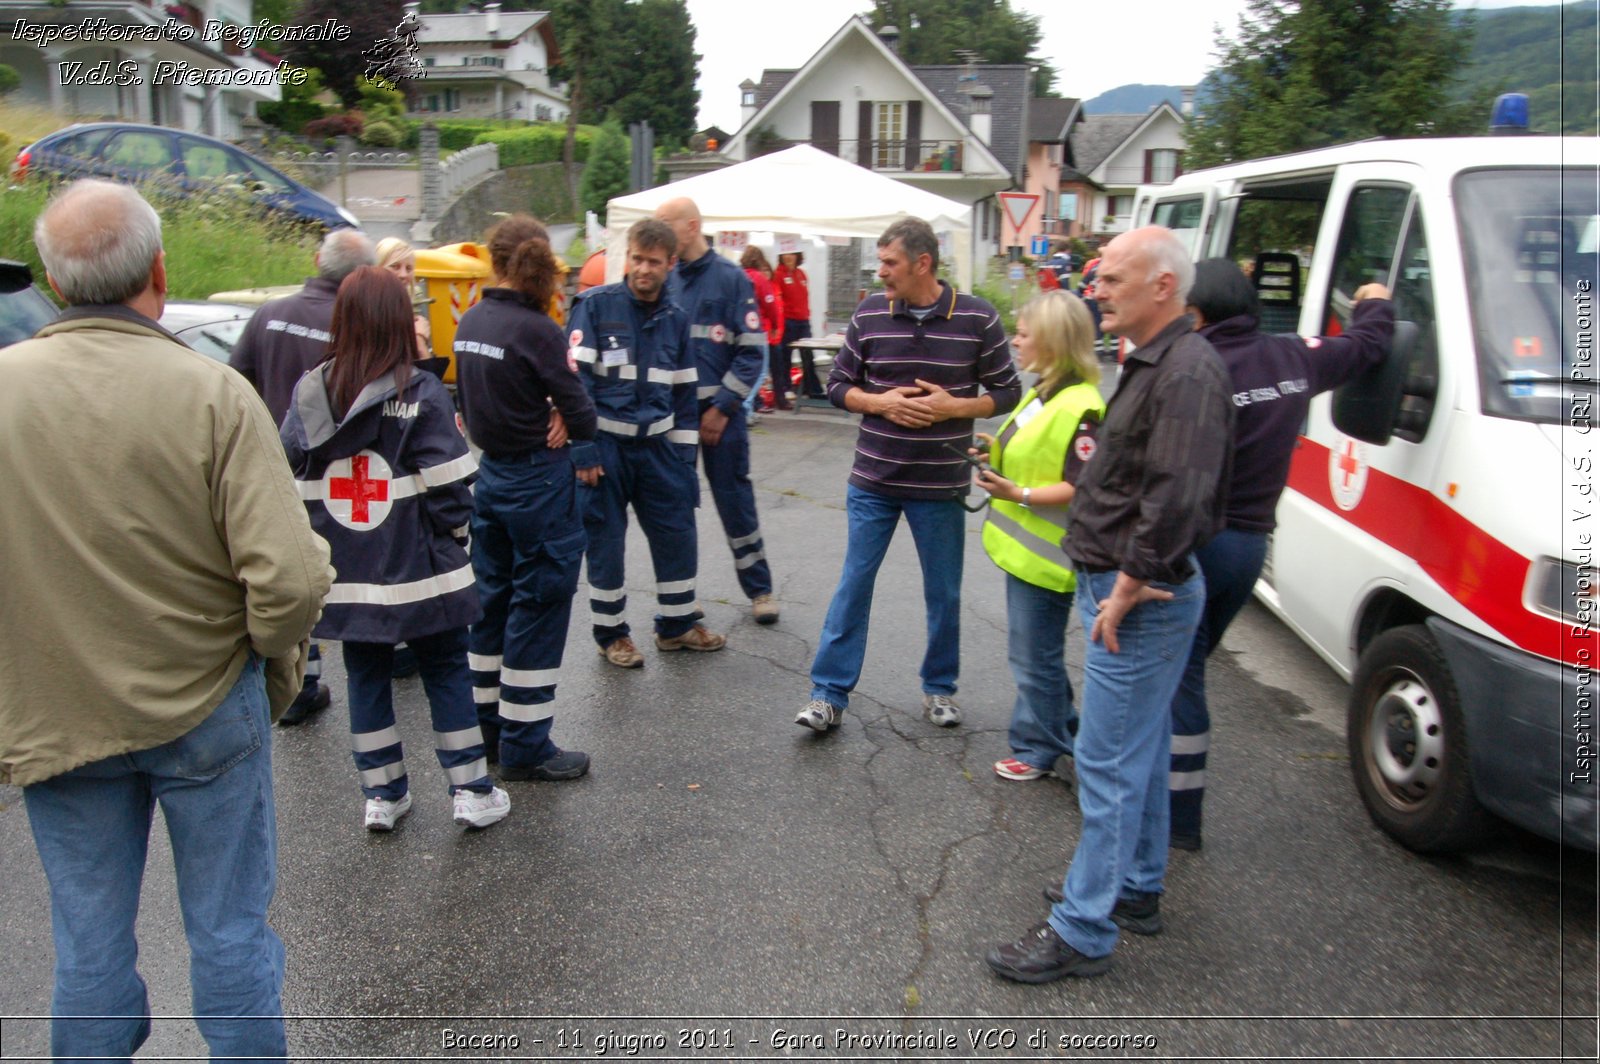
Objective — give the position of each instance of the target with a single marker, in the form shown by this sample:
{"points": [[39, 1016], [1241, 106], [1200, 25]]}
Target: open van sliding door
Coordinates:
{"points": [[1355, 517]]}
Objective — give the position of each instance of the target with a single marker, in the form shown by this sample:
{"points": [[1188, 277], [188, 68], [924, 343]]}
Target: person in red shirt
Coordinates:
{"points": [[793, 289], [768, 302]]}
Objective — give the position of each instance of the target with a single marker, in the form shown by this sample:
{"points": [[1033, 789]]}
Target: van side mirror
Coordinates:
{"points": [[1368, 407]]}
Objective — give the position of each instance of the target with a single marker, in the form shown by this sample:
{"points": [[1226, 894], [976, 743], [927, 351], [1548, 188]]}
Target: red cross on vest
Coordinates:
{"points": [[358, 489]]}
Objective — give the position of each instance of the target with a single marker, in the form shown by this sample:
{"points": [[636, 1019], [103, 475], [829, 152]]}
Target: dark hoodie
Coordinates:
{"points": [[387, 487]]}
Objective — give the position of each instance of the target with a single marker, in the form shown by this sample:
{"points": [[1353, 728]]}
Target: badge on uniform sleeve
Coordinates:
{"points": [[752, 320], [575, 338], [1083, 447]]}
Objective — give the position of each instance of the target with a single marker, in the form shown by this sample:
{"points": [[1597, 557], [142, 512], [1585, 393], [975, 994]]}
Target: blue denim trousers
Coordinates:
{"points": [[1043, 720], [938, 528], [1231, 562], [1122, 749], [92, 830]]}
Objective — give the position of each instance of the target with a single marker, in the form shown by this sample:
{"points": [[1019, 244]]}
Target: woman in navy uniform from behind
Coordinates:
{"points": [[514, 378], [384, 472]]}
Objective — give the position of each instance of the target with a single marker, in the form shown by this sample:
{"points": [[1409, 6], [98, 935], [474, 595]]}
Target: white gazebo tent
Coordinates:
{"points": [[804, 191]]}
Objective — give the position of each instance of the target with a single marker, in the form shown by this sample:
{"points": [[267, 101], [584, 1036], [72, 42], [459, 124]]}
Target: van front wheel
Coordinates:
{"points": [[1408, 744]]}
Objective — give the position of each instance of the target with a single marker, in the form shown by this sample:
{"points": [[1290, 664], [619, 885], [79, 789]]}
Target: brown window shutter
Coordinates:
{"points": [[913, 134], [1149, 164], [864, 134], [1177, 165], [825, 125]]}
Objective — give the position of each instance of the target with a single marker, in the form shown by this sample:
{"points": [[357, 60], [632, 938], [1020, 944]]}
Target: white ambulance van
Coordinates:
{"points": [[1436, 540]]}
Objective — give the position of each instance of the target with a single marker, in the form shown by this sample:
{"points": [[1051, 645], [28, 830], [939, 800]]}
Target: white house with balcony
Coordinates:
{"points": [[1110, 157], [957, 131], [139, 61], [488, 64]]}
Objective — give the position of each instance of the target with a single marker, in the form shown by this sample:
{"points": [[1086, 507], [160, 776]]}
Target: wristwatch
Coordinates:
{"points": [[1027, 493]]}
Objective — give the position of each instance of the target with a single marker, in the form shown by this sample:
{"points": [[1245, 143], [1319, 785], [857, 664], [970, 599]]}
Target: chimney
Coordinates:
{"points": [[491, 19], [980, 120], [1187, 110], [890, 35], [747, 101]]}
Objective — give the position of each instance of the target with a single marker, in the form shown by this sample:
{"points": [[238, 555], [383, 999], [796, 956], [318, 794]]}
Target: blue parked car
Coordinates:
{"points": [[189, 163]]}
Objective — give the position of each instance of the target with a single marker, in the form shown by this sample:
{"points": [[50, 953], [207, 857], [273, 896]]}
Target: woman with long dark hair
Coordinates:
{"points": [[513, 378], [385, 472]]}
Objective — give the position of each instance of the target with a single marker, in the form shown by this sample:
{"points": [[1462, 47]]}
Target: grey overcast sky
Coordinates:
{"points": [[739, 38]]}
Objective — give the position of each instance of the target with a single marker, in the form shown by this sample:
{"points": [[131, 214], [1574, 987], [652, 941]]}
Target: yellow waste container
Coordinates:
{"points": [[454, 276]]}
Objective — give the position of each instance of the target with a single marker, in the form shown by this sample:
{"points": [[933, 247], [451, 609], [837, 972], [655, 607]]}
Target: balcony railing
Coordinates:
{"points": [[885, 156]]}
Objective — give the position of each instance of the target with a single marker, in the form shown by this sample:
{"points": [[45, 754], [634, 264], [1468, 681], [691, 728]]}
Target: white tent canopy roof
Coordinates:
{"points": [[800, 190]]}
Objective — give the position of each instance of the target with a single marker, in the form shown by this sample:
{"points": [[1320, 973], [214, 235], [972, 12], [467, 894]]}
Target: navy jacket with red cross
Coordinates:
{"points": [[725, 331], [634, 358], [388, 488]]}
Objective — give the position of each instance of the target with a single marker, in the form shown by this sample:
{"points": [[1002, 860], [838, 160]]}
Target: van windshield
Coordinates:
{"points": [[1531, 238]]}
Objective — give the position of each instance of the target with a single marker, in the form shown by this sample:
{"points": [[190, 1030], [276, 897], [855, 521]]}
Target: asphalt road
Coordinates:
{"points": [[727, 885]]}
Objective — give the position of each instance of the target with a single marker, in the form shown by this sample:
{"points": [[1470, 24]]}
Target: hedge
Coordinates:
{"points": [[537, 144]]}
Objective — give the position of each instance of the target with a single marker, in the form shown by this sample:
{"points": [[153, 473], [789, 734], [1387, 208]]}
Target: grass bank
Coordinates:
{"points": [[212, 245]]}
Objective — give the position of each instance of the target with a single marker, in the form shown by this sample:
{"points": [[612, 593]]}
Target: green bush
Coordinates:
{"points": [[298, 106], [380, 134], [606, 174], [213, 245], [538, 144], [458, 133]]}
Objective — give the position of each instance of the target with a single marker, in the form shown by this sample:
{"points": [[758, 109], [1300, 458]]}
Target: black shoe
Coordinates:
{"points": [[305, 704], [1141, 915], [1040, 956], [1066, 770], [567, 765], [1184, 842]]}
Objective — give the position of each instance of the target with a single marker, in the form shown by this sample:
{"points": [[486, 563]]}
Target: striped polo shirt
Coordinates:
{"points": [[961, 346]]}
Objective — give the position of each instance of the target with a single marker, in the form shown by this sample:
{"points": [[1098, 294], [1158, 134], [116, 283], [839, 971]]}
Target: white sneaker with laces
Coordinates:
{"points": [[382, 814], [941, 710], [478, 810], [819, 715]]}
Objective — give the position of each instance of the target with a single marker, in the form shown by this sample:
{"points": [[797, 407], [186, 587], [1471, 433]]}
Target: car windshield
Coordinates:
{"points": [[1531, 238], [215, 340], [22, 313]]}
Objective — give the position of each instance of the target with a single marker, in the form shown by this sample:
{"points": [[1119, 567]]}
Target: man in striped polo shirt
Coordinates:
{"points": [[919, 363]]}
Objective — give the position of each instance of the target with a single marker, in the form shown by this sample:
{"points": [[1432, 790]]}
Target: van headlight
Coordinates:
{"points": [[1564, 591]]}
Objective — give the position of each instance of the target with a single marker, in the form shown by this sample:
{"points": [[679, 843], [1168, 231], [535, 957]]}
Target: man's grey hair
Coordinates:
{"points": [[342, 251], [1166, 253], [916, 236], [98, 240]]}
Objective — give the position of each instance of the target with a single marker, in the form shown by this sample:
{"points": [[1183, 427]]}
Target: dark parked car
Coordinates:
{"points": [[189, 163], [23, 308]]}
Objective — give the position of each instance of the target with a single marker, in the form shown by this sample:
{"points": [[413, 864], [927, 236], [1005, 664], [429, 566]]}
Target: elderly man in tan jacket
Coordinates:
{"points": [[159, 569]]}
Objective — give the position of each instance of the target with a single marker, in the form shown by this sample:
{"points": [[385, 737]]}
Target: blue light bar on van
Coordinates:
{"points": [[1510, 114]]}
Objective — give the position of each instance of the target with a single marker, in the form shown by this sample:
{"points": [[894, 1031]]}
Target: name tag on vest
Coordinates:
{"points": [[1027, 413]]}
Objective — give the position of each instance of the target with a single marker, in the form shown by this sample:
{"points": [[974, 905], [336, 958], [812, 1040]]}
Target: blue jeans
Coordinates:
{"points": [[1122, 747], [938, 527], [92, 830], [755, 390], [1043, 720], [1231, 562]]}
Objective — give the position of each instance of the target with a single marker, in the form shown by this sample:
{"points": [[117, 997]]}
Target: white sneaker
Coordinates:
{"points": [[477, 810], [383, 814], [941, 710], [819, 715]]}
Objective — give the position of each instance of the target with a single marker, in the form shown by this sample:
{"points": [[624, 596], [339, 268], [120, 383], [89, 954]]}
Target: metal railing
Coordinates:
{"points": [[885, 156]]}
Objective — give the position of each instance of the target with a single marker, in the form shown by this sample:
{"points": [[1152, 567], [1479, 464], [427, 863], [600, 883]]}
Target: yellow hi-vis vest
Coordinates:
{"points": [[1027, 542]]}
